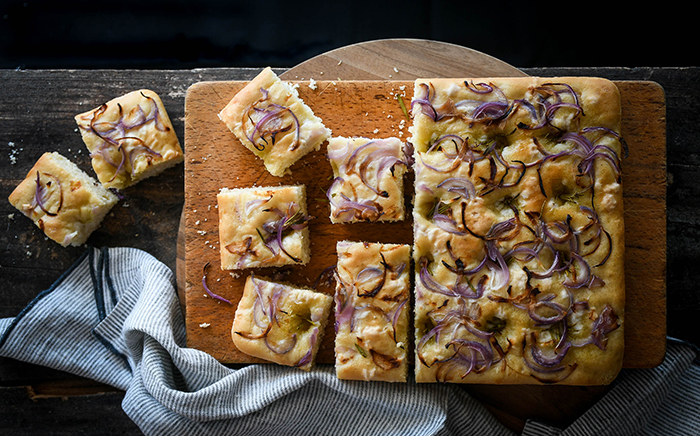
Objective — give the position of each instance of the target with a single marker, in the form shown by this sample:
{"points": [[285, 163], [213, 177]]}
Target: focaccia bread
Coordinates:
{"points": [[130, 138], [280, 323], [368, 179], [62, 200], [518, 230], [270, 119], [263, 227], [372, 311]]}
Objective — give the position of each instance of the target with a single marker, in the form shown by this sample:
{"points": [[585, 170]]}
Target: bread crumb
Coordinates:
{"points": [[13, 153], [204, 325], [312, 84], [375, 131]]}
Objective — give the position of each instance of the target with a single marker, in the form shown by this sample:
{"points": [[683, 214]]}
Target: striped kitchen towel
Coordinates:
{"points": [[115, 317]]}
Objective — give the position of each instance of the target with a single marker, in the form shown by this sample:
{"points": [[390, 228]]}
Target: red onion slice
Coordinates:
{"points": [[447, 224], [580, 272], [344, 309], [465, 289], [271, 123], [605, 131], [306, 358], [536, 360], [479, 88], [281, 348], [368, 275], [395, 317], [423, 99], [429, 283], [547, 302], [606, 322], [460, 186], [40, 193], [498, 266], [384, 158], [206, 288], [478, 358]]}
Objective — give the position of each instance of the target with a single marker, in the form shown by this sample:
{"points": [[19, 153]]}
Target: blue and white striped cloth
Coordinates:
{"points": [[114, 317]]}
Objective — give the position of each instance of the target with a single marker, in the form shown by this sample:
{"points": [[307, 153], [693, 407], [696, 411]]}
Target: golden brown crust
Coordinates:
{"points": [[269, 118], [372, 307], [130, 138], [280, 323], [74, 204], [249, 221], [368, 179], [561, 193]]}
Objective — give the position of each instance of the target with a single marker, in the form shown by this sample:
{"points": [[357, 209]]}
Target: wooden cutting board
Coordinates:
{"points": [[215, 159]]}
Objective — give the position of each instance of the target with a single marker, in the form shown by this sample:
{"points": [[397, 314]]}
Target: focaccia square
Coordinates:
{"points": [[263, 227], [280, 323], [518, 231], [130, 138], [368, 179], [62, 200], [270, 119], [372, 311]]}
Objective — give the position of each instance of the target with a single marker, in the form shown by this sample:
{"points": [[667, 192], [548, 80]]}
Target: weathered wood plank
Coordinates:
{"points": [[22, 414]]}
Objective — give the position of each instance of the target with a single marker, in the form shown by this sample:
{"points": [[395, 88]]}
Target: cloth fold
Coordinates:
{"points": [[115, 317]]}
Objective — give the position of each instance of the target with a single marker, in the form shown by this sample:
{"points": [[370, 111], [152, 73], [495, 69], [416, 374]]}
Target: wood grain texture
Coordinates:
{"points": [[644, 191], [400, 59], [216, 159]]}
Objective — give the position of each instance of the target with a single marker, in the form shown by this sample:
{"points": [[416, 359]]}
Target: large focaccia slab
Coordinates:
{"points": [[518, 230]]}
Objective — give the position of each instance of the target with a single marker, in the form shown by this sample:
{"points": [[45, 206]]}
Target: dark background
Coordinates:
{"points": [[177, 34]]}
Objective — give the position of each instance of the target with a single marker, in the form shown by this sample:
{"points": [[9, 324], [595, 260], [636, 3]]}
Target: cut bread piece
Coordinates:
{"points": [[371, 311], [130, 138], [270, 119], [62, 200], [368, 179], [280, 323], [263, 227]]}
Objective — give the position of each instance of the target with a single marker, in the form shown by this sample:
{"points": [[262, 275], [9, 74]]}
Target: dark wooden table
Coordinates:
{"points": [[36, 115]]}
